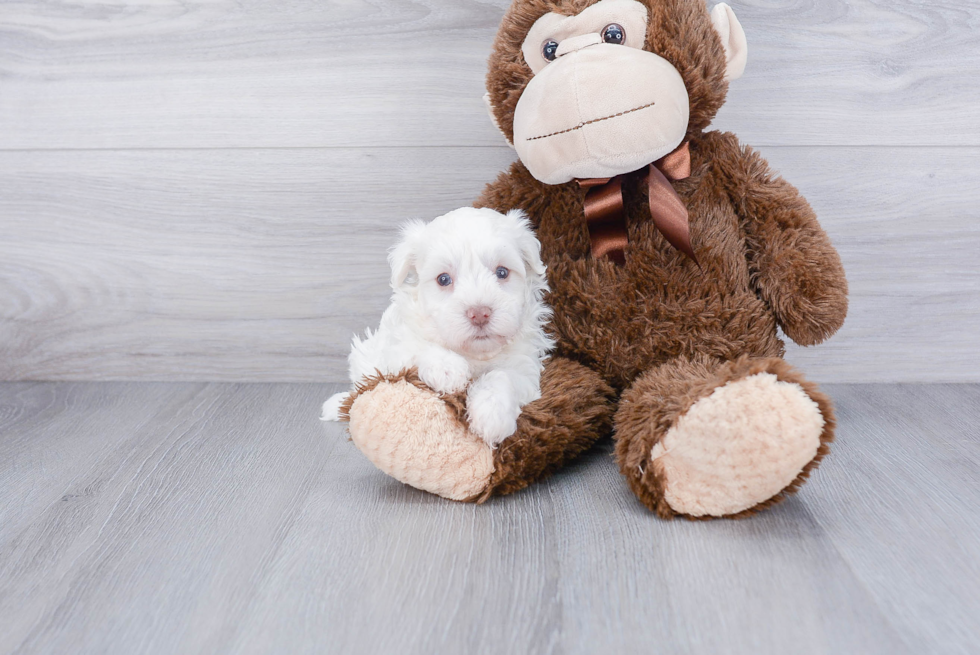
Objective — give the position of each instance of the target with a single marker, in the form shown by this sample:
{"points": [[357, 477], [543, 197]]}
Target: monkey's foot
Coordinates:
{"points": [[421, 438], [741, 436], [409, 432]]}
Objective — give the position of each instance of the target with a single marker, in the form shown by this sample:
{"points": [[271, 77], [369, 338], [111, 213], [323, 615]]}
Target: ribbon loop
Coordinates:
{"points": [[677, 165], [605, 215], [605, 218], [669, 213]]}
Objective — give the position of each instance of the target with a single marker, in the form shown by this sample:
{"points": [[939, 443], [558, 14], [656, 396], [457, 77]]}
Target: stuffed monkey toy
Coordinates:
{"points": [[673, 253]]}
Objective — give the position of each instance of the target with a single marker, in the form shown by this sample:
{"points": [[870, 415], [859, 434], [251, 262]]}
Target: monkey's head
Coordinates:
{"points": [[586, 89]]}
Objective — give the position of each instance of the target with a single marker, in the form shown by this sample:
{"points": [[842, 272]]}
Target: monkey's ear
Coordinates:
{"points": [[493, 119], [733, 38], [403, 256]]}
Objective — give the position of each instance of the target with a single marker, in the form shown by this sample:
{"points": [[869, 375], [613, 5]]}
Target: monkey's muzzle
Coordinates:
{"points": [[600, 111]]}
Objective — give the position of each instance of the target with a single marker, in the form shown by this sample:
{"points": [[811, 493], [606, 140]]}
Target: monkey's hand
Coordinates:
{"points": [[795, 269]]}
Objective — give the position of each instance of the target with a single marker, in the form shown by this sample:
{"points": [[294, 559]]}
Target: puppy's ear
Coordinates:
{"points": [[527, 243], [403, 256]]}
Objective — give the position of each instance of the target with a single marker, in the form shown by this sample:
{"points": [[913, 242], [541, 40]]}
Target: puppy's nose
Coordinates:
{"points": [[479, 316]]}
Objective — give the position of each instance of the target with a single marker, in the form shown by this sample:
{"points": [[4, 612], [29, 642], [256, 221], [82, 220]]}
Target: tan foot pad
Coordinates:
{"points": [[738, 447], [413, 436]]}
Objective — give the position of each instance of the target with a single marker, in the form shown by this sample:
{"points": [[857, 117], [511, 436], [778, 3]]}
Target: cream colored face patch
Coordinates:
{"points": [[599, 112], [599, 105]]}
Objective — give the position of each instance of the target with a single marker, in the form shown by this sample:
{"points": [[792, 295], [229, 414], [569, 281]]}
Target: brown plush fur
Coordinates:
{"points": [[765, 261], [659, 329], [575, 409]]}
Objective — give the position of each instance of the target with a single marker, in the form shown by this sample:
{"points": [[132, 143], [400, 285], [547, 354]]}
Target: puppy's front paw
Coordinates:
{"points": [[491, 408], [445, 373]]}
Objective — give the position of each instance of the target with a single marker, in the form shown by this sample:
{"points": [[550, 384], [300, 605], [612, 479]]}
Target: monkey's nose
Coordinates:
{"points": [[479, 316], [577, 43]]}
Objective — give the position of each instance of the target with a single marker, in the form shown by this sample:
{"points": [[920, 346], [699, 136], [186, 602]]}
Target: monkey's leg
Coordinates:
{"points": [[709, 439], [420, 438]]}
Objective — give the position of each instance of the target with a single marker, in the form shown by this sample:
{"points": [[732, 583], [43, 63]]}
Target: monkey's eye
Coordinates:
{"points": [[549, 49], [502, 272], [614, 34], [444, 280]]}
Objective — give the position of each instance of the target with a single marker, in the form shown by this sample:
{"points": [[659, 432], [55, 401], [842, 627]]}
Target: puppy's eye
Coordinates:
{"points": [[502, 272], [614, 34], [444, 280], [550, 49]]}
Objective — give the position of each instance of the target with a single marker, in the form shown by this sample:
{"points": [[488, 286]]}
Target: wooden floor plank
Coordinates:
{"points": [[899, 501], [409, 572], [772, 584], [160, 543], [261, 264], [52, 433], [231, 520], [396, 72]]}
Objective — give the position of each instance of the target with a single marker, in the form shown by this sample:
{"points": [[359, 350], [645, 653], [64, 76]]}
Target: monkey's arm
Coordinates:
{"points": [[794, 267]]}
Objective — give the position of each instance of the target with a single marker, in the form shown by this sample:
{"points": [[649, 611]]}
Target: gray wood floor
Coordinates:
{"points": [[203, 517]]}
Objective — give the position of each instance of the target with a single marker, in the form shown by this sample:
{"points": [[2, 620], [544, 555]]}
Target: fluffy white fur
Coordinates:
{"points": [[481, 330]]}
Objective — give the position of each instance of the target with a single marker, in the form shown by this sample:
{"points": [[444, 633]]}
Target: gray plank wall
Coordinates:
{"points": [[204, 190]]}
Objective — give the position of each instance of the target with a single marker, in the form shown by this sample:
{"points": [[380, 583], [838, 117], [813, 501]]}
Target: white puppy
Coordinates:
{"points": [[466, 310]]}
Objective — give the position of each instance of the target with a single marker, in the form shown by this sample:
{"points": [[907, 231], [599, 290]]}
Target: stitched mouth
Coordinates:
{"points": [[594, 120]]}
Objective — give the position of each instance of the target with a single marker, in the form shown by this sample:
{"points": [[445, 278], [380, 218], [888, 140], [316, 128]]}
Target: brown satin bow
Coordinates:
{"points": [[605, 216]]}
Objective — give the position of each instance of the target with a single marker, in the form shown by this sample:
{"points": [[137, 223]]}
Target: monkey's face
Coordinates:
{"points": [[600, 101], [598, 104]]}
